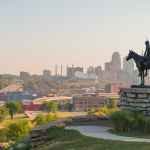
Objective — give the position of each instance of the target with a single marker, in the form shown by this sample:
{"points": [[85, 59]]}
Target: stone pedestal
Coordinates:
{"points": [[135, 97]]}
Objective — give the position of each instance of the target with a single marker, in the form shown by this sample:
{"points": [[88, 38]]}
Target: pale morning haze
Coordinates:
{"points": [[38, 34]]}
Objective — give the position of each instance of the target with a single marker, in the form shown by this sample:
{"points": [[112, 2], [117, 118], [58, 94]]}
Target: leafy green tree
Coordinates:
{"points": [[16, 129], [14, 107], [49, 118], [73, 93], [39, 120], [72, 87], [111, 103], [48, 106], [3, 112], [60, 106]]}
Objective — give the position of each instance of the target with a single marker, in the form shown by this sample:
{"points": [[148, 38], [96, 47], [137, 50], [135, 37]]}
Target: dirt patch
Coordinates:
{"points": [[104, 123]]}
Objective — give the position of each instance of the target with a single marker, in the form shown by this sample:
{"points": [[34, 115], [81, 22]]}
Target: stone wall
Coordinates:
{"points": [[135, 97], [37, 134]]}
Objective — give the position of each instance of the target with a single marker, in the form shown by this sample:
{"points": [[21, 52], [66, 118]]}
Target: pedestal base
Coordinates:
{"points": [[140, 86]]}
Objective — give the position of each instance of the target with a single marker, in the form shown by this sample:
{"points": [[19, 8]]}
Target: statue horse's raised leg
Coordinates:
{"points": [[146, 73]]}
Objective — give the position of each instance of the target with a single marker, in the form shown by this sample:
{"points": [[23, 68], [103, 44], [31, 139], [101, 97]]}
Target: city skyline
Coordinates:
{"points": [[37, 35]]}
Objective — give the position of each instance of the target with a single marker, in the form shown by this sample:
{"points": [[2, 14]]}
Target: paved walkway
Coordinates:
{"points": [[100, 132]]}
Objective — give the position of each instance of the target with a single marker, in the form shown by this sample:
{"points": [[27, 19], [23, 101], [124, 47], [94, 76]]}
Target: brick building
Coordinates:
{"points": [[24, 74], [88, 102], [113, 88]]}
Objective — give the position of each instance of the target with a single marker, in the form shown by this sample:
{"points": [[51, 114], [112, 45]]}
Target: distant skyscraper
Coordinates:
{"points": [[46, 73], [116, 57], [107, 66], [128, 66], [98, 71], [90, 69], [113, 71]]}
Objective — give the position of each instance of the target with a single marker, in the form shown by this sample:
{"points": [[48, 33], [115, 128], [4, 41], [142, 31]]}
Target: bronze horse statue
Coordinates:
{"points": [[141, 63]]}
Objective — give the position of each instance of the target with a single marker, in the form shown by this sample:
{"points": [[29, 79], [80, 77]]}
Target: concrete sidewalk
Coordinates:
{"points": [[100, 132]]}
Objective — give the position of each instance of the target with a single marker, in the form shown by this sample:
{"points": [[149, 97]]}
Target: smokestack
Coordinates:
{"points": [[67, 71], [61, 70], [55, 70], [72, 70]]}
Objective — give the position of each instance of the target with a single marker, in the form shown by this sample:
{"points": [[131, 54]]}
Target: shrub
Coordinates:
{"points": [[49, 118], [147, 125], [141, 121], [99, 114], [129, 121], [118, 119], [56, 116], [3, 135], [104, 110], [39, 120], [91, 112], [16, 129]]}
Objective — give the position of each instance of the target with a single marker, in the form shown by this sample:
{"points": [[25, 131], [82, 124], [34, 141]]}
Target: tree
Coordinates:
{"points": [[3, 112], [39, 120], [14, 107], [49, 118], [111, 103], [16, 129], [60, 106], [48, 106], [72, 86], [73, 93]]}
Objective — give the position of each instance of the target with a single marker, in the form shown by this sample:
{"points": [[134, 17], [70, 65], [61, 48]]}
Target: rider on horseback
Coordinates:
{"points": [[146, 55]]}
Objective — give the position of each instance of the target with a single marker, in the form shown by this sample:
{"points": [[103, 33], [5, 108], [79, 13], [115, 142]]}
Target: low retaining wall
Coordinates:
{"points": [[135, 97], [37, 134]]}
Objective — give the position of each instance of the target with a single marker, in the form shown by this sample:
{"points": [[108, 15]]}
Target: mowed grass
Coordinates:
{"points": [[136, 134], [18, 116], [61, 139], [65, 114], [15, 118]]}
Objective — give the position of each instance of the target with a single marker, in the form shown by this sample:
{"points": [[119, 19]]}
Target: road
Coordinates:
{"points": [[12, 87]]}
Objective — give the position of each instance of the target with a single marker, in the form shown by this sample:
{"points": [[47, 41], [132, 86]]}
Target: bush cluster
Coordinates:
{"points": [[132, 120], [41, 120], [100, 112]]}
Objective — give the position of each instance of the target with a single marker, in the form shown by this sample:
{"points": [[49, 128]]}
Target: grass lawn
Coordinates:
{"points": [[12, 120], [136, 134], [21, 116], [65, 114], [61, 139]]}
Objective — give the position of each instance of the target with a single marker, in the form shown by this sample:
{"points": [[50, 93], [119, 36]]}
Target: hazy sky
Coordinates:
{"points": [[37, 34]]}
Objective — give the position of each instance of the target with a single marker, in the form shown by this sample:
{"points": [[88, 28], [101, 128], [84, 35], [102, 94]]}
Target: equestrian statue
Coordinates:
{"points": [[142, 62]]}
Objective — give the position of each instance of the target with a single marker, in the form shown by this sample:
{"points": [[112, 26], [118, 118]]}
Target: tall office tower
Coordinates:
{"points": [[61, 70], [72, 70], [113, 71], [98, 71], [116, 57], [128, 66], [107, 66], [90, 70], [55, 70], [46, 73]]}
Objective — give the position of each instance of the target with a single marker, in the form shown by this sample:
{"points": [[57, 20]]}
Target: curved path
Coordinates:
{"points": [[100, 132]]}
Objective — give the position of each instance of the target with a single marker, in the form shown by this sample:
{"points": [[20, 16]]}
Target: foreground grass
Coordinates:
{"points": [[61, 139], [136, 134]]}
